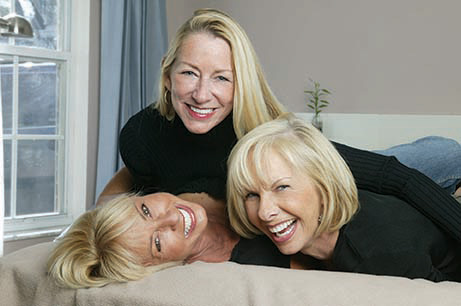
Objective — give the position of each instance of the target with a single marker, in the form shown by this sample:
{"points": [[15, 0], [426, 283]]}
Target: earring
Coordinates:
{"points": [[165, 94], [320, 219]]}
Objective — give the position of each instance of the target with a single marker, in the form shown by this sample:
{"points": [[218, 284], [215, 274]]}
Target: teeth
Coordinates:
{"points": [[187, 221], [277, 229], [201, 111]]}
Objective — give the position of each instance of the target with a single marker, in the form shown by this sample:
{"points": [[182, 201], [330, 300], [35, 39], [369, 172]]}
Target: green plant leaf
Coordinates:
{"points": [[315, 95]]}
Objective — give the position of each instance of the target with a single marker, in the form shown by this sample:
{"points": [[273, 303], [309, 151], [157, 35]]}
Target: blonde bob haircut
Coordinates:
{"points": [[93, 253], [304, 149], [254, 102]]}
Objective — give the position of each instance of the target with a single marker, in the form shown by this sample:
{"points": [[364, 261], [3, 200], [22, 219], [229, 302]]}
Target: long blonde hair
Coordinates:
{"points": [[304, 149], [93, 252], [254, 102]]}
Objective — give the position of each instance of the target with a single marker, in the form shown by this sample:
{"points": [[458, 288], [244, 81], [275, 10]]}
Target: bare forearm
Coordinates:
{"points": [[121, 182]]}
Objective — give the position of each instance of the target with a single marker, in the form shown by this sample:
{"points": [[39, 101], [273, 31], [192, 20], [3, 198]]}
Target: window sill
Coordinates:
{"points": [[33, 234]]}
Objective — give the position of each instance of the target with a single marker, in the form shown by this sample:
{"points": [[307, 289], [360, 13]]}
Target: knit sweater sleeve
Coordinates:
{"points": [[402, 263], [386, 175]]}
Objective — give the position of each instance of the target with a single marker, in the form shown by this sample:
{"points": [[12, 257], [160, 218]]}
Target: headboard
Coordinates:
{"points": [[373, 131]]}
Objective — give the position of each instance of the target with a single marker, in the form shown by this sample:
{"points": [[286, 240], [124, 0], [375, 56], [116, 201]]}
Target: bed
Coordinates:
{"points": [[23, 281]]}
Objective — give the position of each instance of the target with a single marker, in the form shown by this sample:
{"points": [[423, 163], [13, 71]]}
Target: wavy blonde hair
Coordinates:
{"points": [[304, 149], [254, 102], [93, 252]]}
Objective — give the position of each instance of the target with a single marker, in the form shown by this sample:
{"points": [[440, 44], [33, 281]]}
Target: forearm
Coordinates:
{"points": [[386, 175], [121, 182], [426, 196]]}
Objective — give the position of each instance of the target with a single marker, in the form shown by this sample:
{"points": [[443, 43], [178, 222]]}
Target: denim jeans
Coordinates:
{"points": [[437, 157]]}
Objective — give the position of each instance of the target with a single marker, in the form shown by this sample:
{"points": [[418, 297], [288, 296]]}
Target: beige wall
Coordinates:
{"points": [[378, 57]]}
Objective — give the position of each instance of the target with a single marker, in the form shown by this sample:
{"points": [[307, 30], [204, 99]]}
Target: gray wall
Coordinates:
{"points": [[378, 57]]}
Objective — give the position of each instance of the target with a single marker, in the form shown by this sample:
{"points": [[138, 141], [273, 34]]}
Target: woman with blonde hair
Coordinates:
{"points": [[132, 236], [212, 92], [288, 182], [94, 252]]}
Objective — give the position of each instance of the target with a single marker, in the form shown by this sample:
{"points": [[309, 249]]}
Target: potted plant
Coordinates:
{"points": [[316, 100]]}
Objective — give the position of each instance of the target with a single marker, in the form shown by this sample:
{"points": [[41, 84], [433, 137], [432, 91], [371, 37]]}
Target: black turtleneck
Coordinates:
{"points": [[164, 156]]}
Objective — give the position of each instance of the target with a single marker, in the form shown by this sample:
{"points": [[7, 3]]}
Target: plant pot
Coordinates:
{"points": [[318, 122]]}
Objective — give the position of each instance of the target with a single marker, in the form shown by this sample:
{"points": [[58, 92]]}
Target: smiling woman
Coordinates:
{"points": [[94, 253], [288, 182], [132, 236], [211, 91]]}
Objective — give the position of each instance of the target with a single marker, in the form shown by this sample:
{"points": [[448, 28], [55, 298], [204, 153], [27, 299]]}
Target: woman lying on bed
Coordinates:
{"points": [[131, 236], [288, 182]]}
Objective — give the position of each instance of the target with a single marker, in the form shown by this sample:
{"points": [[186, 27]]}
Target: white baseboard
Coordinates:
{"points": [[373, 131]]}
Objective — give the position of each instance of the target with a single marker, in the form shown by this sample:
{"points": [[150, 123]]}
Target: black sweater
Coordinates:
{"points": [[164, 156], [380, 241]]}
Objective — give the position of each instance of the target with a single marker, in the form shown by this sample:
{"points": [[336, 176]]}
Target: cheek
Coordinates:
{"points": [[179, 252], [180, 85], [228, 96], [252, 213]]}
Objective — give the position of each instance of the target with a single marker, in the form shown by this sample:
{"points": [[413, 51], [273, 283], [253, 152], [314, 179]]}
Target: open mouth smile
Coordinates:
{"points": [[283, 231], [201, 113], [188, 218]]}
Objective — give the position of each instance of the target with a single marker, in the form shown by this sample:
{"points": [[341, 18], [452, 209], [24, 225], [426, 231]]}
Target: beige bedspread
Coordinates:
{"points": [[23, 281]]}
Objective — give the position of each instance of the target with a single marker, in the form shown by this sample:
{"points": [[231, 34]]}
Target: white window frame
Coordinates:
{"points": [[77, 59]]}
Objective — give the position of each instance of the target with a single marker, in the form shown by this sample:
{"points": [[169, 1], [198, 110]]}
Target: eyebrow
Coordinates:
{"points": [[280, 179], [195, 67]]}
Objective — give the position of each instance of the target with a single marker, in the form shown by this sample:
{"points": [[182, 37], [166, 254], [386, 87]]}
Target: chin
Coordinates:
{"points": [[198, 129], [288, 250]]}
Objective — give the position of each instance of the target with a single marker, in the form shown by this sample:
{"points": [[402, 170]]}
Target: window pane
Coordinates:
{"points": [[5, 9], [7, 175], [43, 16], [37, 98], [36, 176], [6, 87]]}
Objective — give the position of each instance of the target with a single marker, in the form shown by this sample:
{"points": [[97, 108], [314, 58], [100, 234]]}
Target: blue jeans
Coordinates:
{"points": [[437, 157]]}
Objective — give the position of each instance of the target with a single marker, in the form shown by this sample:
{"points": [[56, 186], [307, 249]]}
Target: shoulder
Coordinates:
{"points": [[147, 116], [385, 223], [144, 124]]}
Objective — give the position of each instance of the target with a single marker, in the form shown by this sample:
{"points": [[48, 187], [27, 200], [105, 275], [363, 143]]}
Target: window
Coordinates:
{"points": [[38, 79]]}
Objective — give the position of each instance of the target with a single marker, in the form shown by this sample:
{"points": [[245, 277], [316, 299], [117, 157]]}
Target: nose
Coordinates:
{"points": [[268, 209], [167, 219], [202, 91]]}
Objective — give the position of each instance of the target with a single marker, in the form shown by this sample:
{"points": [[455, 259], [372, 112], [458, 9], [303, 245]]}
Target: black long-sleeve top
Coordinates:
{"points": [[387, 237], [164, 156]]}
